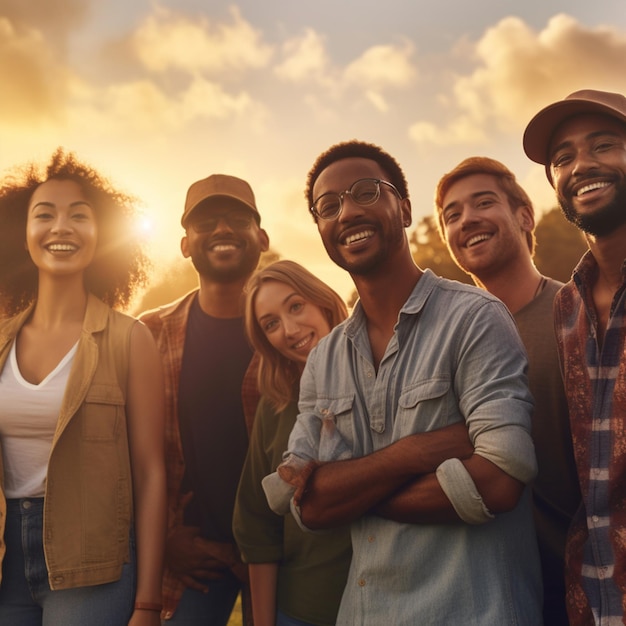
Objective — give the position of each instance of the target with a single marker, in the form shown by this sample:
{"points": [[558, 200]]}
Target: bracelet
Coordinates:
{"points": [[148, 606]]}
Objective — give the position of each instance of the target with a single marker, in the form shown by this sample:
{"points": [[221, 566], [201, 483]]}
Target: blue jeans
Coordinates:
{"points": [[25, 595], [207, 609], [285, 620]]}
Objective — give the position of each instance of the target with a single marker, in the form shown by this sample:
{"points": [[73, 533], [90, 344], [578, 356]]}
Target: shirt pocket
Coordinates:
{"points": [[102, 413], [424, 406], [337, 427]]}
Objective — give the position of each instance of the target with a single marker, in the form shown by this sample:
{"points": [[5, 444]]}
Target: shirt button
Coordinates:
{"points": [[362, 582], [371, 539]]}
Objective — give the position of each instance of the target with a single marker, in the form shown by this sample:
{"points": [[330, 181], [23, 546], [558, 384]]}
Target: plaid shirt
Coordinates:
{"points": [[168, 325], [595, 385]]}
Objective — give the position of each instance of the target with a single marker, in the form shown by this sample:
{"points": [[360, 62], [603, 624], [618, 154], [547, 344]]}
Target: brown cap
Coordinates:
{"points": [[540, 129], [220, 186]]}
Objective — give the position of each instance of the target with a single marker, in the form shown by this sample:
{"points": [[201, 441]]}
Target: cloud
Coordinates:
{"points": [[306, 63], [518, 70], [379, 68], [462, 130], [34, 84], [167, 41], [39, 87], [383, 66], [55, 18], [305, 58], [137, 107]]}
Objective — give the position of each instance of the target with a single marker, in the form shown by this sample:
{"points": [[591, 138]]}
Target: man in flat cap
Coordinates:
{"points": [[581, 141], [206, 355]]}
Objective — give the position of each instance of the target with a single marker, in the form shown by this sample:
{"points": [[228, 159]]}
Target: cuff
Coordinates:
{"points": [[278, 493], [460, 489]]}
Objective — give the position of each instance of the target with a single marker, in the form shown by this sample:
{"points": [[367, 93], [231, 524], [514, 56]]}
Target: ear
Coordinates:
{"points": [[405, 208], [184, 247], [264, 240], [526, 218]]}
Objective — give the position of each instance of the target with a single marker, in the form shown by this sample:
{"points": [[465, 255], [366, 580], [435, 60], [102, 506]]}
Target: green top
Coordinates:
{"points": [[313, 568]]}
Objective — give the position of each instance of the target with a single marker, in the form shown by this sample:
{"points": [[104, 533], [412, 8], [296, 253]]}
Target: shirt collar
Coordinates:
{"points": [[414, 304]]}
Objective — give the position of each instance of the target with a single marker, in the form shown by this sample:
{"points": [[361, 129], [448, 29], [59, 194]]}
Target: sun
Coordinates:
{"points": [[144, 227]]}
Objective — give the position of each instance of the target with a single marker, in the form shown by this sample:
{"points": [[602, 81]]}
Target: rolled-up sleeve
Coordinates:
{"points": [[491, 385], [303, 446]]}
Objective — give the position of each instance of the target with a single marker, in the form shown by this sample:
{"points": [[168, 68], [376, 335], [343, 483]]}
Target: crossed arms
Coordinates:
{"points": [[432, 471], [399, 483]]}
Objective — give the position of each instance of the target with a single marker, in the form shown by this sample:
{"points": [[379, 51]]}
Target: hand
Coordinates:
{"points": [[194, 559], [296, 472]]}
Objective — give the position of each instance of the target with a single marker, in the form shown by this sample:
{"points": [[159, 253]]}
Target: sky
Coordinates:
{"points": [[159, 94]]}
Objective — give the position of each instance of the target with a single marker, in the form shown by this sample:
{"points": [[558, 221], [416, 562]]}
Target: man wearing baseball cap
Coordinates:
{"points": [[205, 356], [581, 141]]}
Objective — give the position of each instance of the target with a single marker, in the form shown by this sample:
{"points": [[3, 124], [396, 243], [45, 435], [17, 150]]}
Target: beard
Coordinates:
{"points": [[603, 221], [227, 273], [372, 263]]}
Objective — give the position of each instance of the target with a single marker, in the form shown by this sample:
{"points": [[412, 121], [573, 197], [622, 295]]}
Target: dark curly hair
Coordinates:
{"points": [[120, 266], [356, 149]]}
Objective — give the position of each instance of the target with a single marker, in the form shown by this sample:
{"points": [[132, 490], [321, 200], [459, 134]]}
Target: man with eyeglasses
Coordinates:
{"points": [[206, 356], [422, 394]]}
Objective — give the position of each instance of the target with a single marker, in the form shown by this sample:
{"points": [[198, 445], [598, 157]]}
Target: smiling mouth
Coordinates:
{"points": [[591, 187], [472, 241], [224, 247], [61, 247], [357, 237], [302, 343]]}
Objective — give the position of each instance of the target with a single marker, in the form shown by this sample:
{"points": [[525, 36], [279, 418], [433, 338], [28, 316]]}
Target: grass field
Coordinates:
{"points": [[235, 617]]}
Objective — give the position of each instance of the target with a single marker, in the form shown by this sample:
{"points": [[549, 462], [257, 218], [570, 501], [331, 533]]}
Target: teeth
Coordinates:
{"points": [[221, 247], [359, 236], [61, 247], [302, 343], [477, 239], [591, 187]]}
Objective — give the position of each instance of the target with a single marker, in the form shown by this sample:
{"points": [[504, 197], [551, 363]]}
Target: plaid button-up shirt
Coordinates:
{"points": [[168, 325], [594, 374]]}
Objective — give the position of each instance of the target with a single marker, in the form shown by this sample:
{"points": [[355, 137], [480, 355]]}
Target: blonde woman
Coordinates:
{"points": [[296, 578], [82, 501]]}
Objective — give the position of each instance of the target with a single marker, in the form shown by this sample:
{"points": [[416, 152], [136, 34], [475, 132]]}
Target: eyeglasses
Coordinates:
{"points": [[364, 192], [237, 220]]}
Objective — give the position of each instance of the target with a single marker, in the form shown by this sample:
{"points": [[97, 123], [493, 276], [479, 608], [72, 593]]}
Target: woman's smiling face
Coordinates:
{"points": [[61, 229], [292, 324]]}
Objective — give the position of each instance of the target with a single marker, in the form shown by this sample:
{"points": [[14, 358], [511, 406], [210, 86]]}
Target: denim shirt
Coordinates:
{"points": [[455, 355]]}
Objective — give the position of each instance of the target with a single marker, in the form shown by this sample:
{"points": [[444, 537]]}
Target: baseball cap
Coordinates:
{"points": [[540, 129], [219, 186]]}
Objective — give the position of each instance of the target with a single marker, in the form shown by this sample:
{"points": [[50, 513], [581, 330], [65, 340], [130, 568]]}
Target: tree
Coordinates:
{"points": [[559, 245], [430, 251]]}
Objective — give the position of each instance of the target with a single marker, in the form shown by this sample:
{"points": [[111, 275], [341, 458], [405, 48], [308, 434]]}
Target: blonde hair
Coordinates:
{"points": [[278, 376]]}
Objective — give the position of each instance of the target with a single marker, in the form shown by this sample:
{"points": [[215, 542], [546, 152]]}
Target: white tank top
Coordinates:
{"points": [[28, 418]]}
